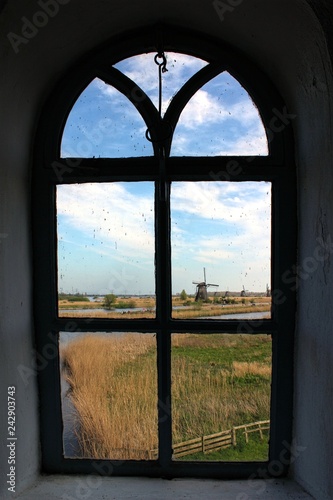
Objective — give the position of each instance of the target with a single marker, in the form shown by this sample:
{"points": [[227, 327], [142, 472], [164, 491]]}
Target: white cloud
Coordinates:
{"points": [[111, 215], [202, 108], [222, 114], [212, 222], [144, 72], [226, 227], [120, 108], [220, 200], [254, 143]]}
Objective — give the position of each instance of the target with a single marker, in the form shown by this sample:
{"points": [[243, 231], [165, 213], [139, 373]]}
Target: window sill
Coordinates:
{"points": [[118, 488]]}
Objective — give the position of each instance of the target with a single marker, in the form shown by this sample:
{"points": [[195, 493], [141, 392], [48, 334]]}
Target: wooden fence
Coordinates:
{"points": [[217, 441], [261, 426]]}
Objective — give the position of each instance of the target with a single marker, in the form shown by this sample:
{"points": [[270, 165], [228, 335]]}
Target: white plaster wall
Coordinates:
{"points": [[16, 321], [285, 39], [314, 339]]}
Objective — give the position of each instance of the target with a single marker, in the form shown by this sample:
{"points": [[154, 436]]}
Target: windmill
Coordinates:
{"points": [[243, 292], [201, 289]]}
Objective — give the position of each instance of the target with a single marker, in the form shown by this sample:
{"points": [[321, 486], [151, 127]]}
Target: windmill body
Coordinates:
{"points": [[201, 288]]}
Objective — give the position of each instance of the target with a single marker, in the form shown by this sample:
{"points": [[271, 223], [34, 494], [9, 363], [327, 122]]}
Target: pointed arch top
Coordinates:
{"points": [[213, 61]]}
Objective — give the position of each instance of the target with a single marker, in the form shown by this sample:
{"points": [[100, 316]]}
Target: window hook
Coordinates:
{"points": [[161, 61]]}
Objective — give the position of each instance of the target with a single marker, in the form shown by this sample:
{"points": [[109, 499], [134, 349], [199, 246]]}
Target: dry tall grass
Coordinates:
{"points": [[241, 369], [219, 310], [205, 310], [114, 389]]}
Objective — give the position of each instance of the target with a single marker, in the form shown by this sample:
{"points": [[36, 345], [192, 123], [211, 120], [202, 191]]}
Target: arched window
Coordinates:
{"points": [[164, 226]]}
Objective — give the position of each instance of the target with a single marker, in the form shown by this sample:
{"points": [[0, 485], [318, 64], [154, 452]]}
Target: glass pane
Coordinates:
{"points": [[143, 70], [109, 395], [220, 119], [221, 249], [221, 397], [104, 123], [106, 249]]}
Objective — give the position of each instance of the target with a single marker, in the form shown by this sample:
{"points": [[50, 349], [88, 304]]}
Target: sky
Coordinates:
{"points": [[106, 230]]}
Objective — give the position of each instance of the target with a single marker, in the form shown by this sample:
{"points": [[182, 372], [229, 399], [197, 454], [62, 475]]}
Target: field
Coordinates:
{"points": [[218, 381], [234, 305]]}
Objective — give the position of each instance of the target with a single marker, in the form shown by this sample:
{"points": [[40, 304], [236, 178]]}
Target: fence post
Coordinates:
{"points": [[224, 438], [234, 442]]}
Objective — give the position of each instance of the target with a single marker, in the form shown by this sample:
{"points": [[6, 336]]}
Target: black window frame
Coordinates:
{"points": [[50, 170]]}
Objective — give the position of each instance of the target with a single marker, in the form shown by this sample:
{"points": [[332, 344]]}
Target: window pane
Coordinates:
{"points": [[220, 397], [109, 395], [221, 249], [143, 70], [106, 249], [103, 123], [220, 119]]}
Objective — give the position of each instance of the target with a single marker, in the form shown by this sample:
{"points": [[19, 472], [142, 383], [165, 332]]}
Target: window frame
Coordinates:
{"points": [[278, 168]]}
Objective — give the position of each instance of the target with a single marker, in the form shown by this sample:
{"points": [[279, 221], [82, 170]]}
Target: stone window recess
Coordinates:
{"points": [[163, 162]]}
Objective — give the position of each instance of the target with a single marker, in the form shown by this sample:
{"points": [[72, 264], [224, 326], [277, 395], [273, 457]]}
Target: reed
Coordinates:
{"points": [[113, 388], [113, 380]]}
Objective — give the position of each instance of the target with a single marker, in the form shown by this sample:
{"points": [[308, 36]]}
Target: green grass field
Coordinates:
{"points": [[255, 450], [218, 381]]}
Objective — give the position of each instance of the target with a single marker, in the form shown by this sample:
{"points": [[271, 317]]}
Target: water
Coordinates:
{"points": [[92, 311], [66, 337], [252, 315], [241, 316], [71, 447]]}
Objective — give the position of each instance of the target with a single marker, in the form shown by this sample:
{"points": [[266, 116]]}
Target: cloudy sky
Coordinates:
{"points": [[106, 230]]}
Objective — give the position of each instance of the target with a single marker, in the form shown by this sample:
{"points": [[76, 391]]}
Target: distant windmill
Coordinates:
{"points": [[201, 289], [243, 292], [268, 291]]}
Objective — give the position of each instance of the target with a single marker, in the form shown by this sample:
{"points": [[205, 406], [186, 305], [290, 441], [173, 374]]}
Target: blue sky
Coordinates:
{"points": [[106, 230]]}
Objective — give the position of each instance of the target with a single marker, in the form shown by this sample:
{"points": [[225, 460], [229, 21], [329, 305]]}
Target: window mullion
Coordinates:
{"points": [[163, 314]]}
